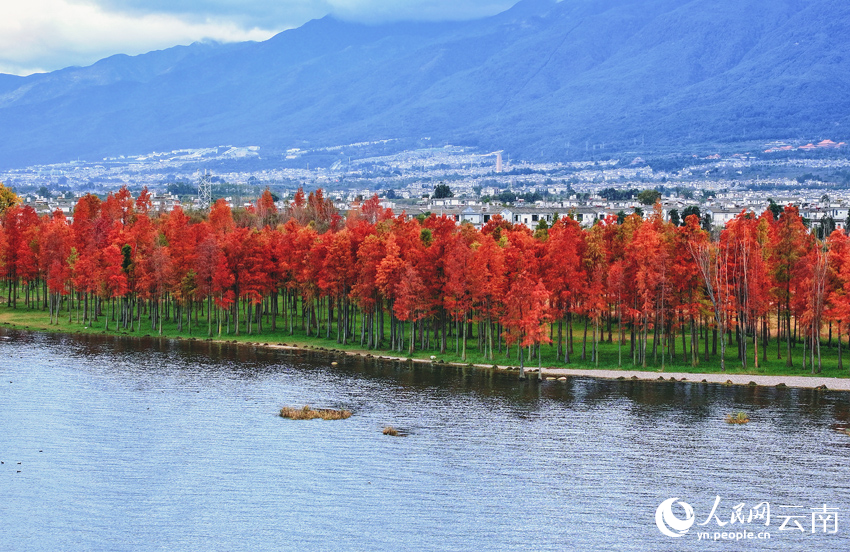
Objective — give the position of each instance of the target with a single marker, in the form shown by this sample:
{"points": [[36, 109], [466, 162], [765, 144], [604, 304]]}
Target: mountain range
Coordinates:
{"points": [[543, 80]]}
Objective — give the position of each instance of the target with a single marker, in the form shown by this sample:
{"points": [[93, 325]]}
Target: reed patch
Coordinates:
{"points": [[307, 413], [737, 418]]}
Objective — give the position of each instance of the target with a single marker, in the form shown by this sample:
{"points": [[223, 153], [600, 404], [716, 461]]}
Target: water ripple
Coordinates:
{"points": [[128, 444]]}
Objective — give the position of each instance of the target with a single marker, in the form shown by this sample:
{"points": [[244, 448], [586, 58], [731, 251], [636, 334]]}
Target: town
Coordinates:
{"points": [[468, 185]]}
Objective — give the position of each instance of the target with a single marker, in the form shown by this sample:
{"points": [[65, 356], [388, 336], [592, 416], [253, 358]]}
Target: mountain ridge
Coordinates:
{"points": [[543, 80]]}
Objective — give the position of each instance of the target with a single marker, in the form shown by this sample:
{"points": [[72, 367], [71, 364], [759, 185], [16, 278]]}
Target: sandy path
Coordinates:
{"points": [[842, 384], [809, 382]]}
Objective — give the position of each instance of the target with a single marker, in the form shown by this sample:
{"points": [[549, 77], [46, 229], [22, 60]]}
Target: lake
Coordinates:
{"points": [[145, 444]]}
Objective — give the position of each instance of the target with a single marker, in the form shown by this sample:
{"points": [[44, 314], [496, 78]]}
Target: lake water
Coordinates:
{"points": [[128, 444]]}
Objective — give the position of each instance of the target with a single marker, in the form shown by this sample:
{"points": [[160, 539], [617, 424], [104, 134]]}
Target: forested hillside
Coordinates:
{"points": [[543, 80]]}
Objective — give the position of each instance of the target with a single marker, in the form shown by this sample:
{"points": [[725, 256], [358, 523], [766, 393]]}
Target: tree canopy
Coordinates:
{"points": [[442, 191], [427, 281]]}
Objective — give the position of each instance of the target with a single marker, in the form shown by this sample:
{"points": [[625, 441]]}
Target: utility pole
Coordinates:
{"points": [[205, 190]]}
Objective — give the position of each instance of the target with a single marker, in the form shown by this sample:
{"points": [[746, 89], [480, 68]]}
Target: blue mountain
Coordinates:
{"points": [[543, 80]]}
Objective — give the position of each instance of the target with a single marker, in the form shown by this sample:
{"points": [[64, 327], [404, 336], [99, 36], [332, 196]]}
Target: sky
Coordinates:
{"points": [[45, 35]]}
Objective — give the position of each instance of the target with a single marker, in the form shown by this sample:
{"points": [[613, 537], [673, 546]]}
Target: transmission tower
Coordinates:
{"points": [[204, 190]]}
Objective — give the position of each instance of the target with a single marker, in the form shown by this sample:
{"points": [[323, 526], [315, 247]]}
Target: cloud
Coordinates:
{"points": [[419, 10], [290, 13], [268, 14], [44, 35]]}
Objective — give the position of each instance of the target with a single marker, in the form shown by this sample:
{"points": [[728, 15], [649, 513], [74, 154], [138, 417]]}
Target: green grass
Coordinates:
{"points": [[24, 318]]}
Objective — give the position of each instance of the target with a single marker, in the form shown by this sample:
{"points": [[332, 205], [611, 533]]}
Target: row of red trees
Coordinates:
{"points": [[394, 281]]}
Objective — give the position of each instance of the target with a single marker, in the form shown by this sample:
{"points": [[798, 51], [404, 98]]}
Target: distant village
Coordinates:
{"points": [[717, 211], [472, 187]]}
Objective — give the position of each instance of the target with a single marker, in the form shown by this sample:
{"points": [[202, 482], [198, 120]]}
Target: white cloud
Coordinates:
{"points": [[43, 35], [287, 13], [420, 10]]}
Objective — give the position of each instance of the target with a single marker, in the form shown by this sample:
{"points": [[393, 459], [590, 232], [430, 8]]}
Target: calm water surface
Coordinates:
{"points": [[122, 444]]}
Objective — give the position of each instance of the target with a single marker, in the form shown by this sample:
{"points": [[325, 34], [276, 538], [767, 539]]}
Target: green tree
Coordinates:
{"points": [[649, 197], [127, 254], [442, 191], [690, 210], [7, 198], [542, 230], [774, 208], [182, 189], [621, 216], [674, 217], [826, 227], [426, 236]]}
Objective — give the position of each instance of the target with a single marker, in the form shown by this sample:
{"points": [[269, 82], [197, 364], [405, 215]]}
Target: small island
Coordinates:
{"points": [[307, 413]]}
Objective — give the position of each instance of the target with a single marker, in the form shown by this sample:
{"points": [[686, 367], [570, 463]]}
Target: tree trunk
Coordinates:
{"points": [[584, 340], [463, 357], [788, 362], [521, 365]]}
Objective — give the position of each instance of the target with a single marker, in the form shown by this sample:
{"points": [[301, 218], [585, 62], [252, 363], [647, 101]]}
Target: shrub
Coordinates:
{"points": [[739, 418]]}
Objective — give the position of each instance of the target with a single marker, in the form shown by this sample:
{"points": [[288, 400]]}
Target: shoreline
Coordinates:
{"points": [[548, 373]]}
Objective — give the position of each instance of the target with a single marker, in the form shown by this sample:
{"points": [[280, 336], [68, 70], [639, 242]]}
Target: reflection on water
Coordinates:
{"points": [[149, 444]]}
